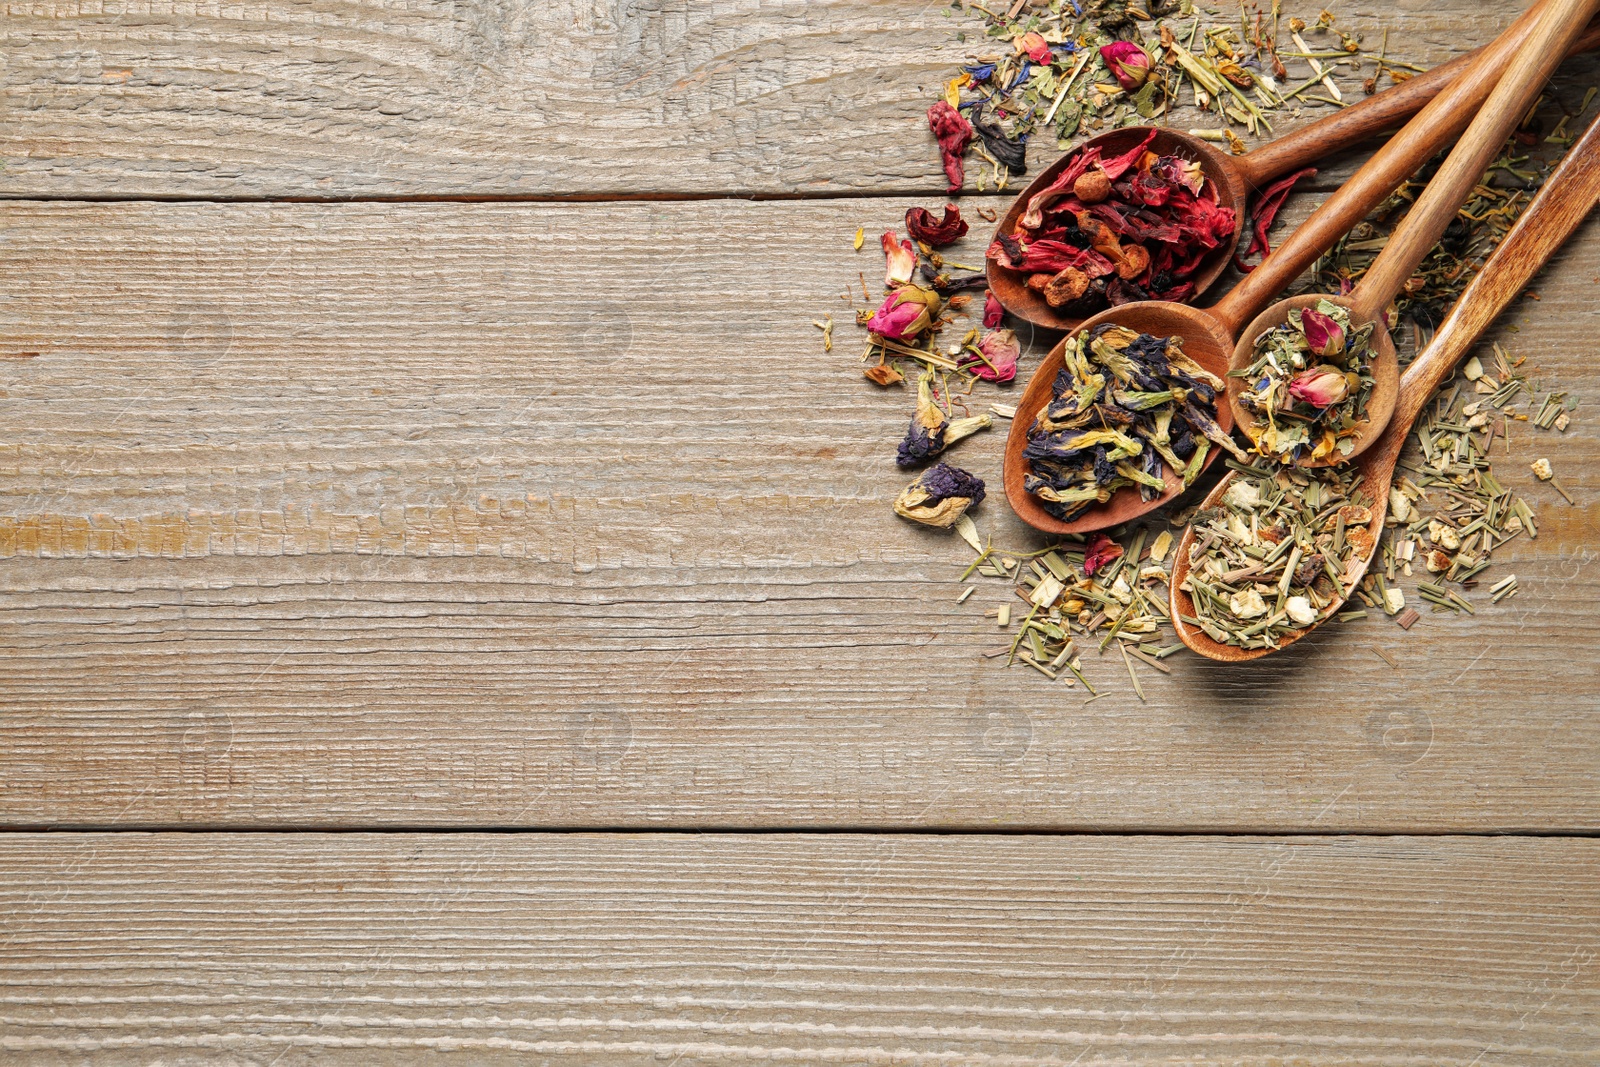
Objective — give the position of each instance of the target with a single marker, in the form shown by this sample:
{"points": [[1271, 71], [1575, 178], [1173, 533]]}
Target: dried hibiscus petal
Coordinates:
{"points": [[1264, 212], [954, 133], [921, 225]]}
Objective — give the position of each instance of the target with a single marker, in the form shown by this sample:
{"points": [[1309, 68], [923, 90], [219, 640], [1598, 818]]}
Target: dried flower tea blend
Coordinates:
{"points": [[1125, 407], [1107, 231], [1309, 384]]}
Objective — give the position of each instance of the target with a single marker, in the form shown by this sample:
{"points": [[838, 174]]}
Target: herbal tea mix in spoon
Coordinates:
{"points": [[1117, 371], [1146, 213], [1312, 380], [1274, 551]]}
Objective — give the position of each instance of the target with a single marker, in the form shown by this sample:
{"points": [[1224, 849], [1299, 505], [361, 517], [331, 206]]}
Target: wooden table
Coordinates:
{"points": [[452, 611]]}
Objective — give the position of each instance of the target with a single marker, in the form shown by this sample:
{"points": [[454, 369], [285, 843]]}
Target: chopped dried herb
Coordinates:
{"points": [[1275, 557], [1124, 407], [1309, 384]]}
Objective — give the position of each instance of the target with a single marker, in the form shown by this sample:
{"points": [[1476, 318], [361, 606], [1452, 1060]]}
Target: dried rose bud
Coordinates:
{"points": [[905, 313], [901, 258], [1092, 186], [1324, 335], [1321, 386], [1035, 47], [1127, 63]]}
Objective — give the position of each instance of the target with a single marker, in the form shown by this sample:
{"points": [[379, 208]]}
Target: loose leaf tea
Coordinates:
{"points": [[1058, 68], [1124, 407], [1135, 226], [1277, 555], [1309, 384]]}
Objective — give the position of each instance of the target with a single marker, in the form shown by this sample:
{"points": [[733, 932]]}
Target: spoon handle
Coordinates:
{"points": [[1559, 25], [1386, 111], [1569, 194], [1397, 160]]}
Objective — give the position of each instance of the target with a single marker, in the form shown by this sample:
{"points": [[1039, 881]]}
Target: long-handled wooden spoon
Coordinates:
{"points": [[1559, 25], [1208, 335], [1233, 179], [1570, 193]]}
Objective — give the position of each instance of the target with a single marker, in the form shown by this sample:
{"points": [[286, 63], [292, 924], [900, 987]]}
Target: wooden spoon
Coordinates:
{"points": [[1209, 335], [1233, 179], [1568, 196], [1559, 25]]}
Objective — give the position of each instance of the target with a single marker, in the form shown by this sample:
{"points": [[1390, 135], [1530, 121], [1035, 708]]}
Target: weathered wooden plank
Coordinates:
{"points": [[617, 949], [113, 98], [480, 515]]}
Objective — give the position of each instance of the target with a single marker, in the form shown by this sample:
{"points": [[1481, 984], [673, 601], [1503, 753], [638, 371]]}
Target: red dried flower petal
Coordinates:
{"points": [[1100, 551], [993, 313], [1262, 214], [954, 133], [921, 225]]}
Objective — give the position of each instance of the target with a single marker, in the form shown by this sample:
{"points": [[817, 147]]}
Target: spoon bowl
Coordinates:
{"points": [[1203, 338], [1385, 367], [1225, 181]]}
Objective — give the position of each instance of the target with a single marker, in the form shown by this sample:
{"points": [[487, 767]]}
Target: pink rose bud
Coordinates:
{"points": [[905, 313], [1321, 385], [902, 259], [1127, 63], [1324, 335]]}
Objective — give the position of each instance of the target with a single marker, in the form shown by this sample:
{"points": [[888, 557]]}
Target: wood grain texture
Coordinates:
{"points": [[502, 97], [619, 949], [479, 515]]}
